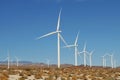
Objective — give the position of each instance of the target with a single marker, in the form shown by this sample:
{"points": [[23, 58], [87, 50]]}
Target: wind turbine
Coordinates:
{"points": [[8, 58], [17, 61], [75, 45], [103, 61], [48, 63], [115, 63], [111, 58], [80, 56], [58, 31], [90, 57], [84, 52]]}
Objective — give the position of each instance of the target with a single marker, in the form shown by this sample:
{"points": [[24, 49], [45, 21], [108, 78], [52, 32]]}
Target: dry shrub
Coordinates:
{"points": [[38, 76], [22, 78], [3, 77]]}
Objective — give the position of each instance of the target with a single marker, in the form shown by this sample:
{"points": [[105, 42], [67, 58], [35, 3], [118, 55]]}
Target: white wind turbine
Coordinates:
{"points": [[84, 52], [17, 61], [105, 64], [115, 65], [103, 61], [58, 31], [80, 56], [111, 58], [75, 45], [48, 63], [8, 58], [90, 57]]}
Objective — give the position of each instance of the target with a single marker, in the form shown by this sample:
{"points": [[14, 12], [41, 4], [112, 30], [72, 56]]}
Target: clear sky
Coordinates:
{"points": [[21, 21]]}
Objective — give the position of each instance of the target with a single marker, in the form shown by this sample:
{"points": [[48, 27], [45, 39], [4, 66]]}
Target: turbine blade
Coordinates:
{"points": [[58, 24], [63, 40], [91, 52], [81, 52], [46, 35], [76, 40], [84, 47], [68, 46]]}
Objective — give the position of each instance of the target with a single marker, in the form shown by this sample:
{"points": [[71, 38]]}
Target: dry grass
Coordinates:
{"points": [[66, 73]]}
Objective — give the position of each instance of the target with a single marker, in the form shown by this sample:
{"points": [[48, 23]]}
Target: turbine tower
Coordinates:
{"points": [[80, 55], [115, 65], [84, 52], [90, 57], [48, 63], [75, 45], [103, 61], [58, 31], [17, 61], [8, 58], [111, 59]]}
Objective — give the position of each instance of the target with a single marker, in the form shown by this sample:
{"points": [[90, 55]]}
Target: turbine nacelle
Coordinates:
{"points": [[91, 53], [59, 31]]}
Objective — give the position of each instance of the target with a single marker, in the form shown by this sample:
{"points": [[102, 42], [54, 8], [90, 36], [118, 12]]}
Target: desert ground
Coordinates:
{"points": [[33, 72]]}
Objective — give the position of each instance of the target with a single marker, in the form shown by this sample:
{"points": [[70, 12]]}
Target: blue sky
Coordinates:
{"points": [[21, 21]]}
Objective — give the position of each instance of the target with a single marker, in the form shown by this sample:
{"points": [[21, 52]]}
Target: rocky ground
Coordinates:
{"points": [[52, 73]]}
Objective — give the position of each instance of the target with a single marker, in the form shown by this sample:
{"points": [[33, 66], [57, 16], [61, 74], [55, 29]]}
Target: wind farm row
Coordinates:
{"points": [[85, 71], [86, 55], [75, 46]]}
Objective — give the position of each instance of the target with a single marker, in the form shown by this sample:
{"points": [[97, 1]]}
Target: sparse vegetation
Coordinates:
{"points": [[66, 73]]}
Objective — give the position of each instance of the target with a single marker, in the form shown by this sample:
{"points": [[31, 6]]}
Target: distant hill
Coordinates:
{"points": [[23, 62], [33, 63]]}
